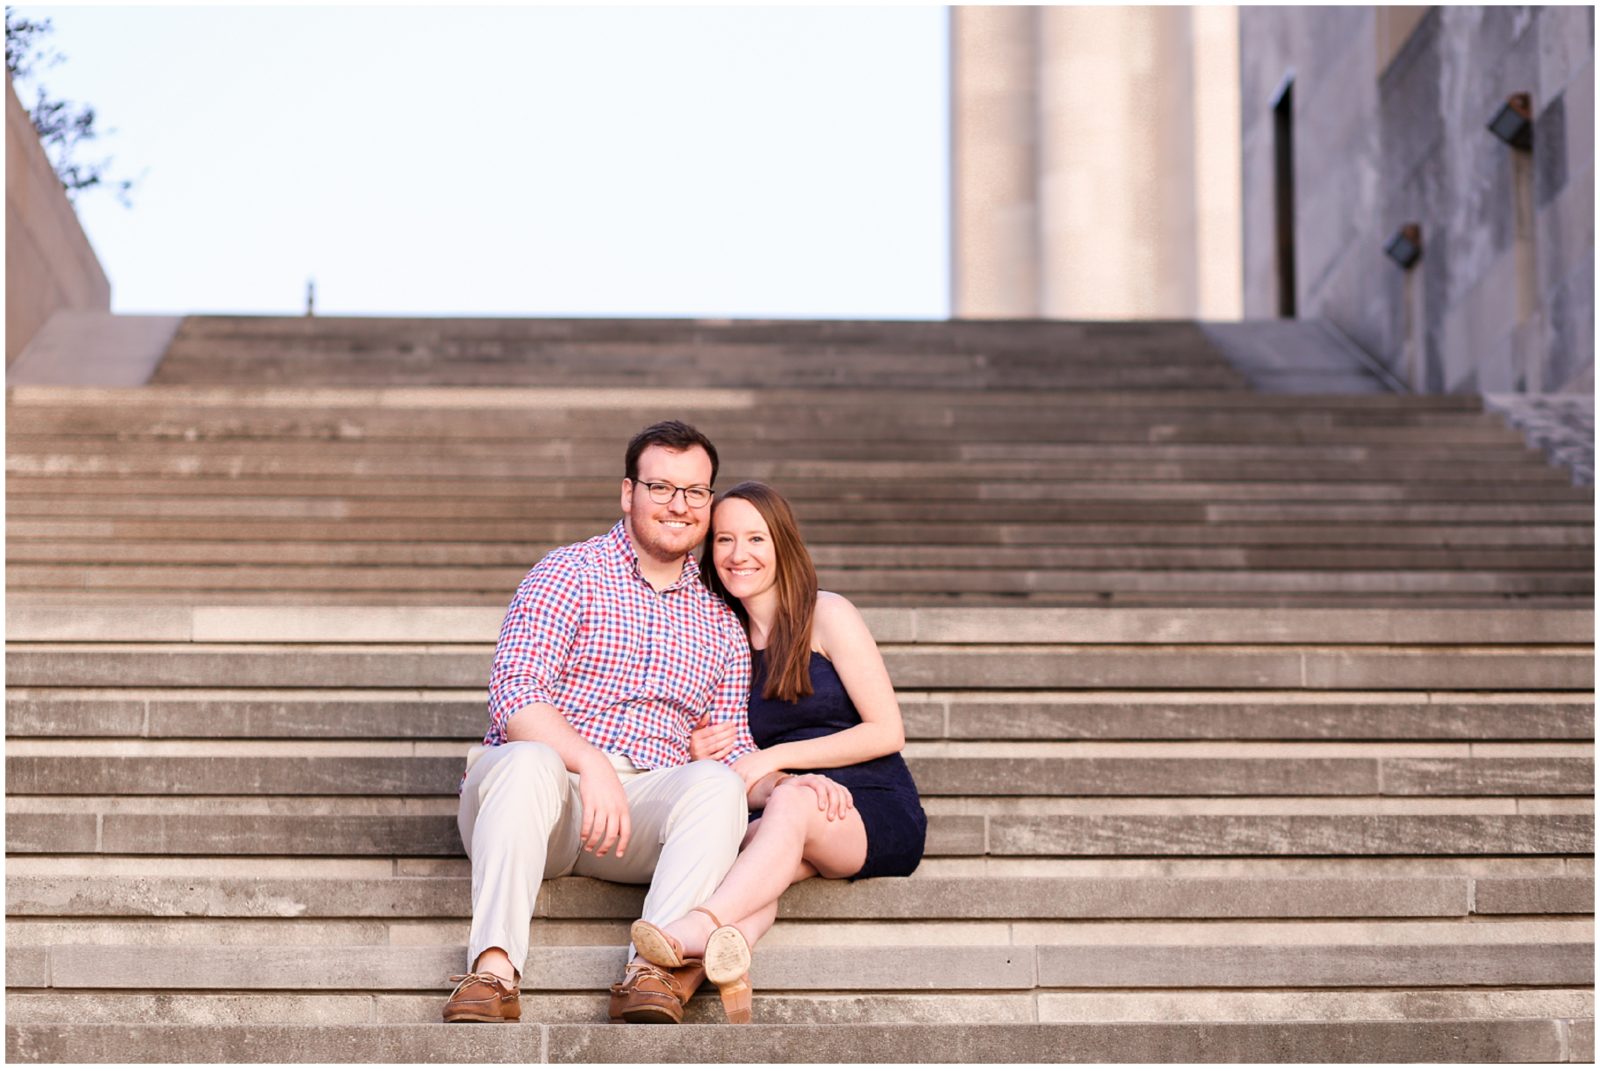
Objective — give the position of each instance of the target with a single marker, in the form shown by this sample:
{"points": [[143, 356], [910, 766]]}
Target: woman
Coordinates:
{"points": [[820, 701]]}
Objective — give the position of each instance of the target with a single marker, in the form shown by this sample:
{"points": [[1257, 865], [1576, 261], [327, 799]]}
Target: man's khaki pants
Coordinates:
{"points": [[520, 818]]}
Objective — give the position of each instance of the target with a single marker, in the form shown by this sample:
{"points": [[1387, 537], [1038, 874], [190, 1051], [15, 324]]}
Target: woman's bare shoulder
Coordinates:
{"points": [[835, 618], [834, 606]]}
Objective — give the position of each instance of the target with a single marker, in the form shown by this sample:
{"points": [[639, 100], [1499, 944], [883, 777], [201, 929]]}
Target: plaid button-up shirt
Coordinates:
{"points": [[631, 669]]}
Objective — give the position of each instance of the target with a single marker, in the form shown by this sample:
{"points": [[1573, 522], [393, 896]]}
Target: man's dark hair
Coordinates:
{"points": [[671, 434]]}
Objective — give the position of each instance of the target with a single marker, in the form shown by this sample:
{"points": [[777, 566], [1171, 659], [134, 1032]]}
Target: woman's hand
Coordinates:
{"points": [[753, 766], [832, 797], [711, 742]]}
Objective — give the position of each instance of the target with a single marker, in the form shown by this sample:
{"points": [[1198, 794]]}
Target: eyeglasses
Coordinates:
{"points": [[696, 497]]}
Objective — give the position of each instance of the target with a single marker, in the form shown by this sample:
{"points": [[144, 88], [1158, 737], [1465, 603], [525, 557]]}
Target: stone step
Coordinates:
{"points": [[841, 968], [914, 493], [596, 458], [1080, 376], [1100, 1007], [722, 367], [1538, 869], [277, 828], [1144, 777], [912, 667], [998, 510], [661, 361], [598, 412], [518, 554], [754, 455], [27, 622], [1422, 442], [221, 472], [591, 405], [1031, 419], [1175, 600], [139, 599], [708, 362], [314, 935], [1047, 434], [1062, 715], [922, 898], [494, 581], [20, 531], [699, 350], [1537, 1039]]}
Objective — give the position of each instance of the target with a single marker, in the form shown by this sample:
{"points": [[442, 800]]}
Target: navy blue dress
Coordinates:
{"points": [[883, 791]]}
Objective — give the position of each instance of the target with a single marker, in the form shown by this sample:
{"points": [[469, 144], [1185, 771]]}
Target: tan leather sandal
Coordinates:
{"points": [[656, 946], [726, 960]]}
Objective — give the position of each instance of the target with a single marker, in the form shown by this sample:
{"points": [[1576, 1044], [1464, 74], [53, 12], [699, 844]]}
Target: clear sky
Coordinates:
{"points": [[612, 161]]}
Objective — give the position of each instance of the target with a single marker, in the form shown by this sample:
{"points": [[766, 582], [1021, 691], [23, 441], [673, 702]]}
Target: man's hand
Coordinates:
{"points": [[753, 766], [832, 797], [605, 807], [711, 742]]}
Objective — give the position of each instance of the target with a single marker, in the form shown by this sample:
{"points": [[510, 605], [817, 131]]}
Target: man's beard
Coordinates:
{"points": [[648, 541]]}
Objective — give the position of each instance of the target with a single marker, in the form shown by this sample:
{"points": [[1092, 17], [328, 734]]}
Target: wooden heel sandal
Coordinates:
{"points": [[728, 966]]}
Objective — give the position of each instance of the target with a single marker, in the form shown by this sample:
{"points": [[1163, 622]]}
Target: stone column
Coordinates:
{"points": [[1117, 162], [995, 261], [1219, 250]]}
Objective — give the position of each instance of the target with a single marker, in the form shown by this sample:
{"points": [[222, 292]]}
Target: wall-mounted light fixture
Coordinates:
{"points": [[1513, 123], [1405, 248]]}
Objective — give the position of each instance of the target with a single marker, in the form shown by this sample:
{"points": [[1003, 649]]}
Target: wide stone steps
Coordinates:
{"points": [[515, 554], [700, 353], [1445, 733], [1135, 816], [1155, 666], [59, 457], [132, 712], [318, 826], [328, 585], [1186, 498], [538, 494], [1446, 1040], [1450, 962], [1329, 798], [832, 536], [47, 769], [292, 899]]}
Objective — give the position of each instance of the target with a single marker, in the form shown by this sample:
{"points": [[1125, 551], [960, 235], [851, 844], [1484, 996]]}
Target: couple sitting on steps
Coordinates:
{"points": [[641, 707]]}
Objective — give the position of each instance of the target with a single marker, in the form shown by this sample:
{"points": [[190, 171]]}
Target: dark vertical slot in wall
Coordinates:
{"points": [[1283, 196]]}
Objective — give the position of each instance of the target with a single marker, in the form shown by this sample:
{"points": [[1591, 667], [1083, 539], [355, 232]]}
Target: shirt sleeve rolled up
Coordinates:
{"points": [[536, 639]]}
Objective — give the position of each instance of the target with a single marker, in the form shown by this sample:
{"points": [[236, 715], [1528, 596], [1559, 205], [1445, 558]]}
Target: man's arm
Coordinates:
{"points": [[536, 643], [606, 819], [730, 702]]}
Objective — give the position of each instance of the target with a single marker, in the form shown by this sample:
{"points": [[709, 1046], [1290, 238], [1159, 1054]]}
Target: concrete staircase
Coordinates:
{"points": [[428, 462], [1250, 728]]}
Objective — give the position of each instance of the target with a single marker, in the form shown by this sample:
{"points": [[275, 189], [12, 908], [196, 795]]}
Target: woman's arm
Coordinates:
{"points": [[843, 637]]}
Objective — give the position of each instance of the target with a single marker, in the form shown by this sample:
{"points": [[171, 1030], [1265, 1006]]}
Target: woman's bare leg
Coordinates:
{"points": [[792, 833], [761, 921]]}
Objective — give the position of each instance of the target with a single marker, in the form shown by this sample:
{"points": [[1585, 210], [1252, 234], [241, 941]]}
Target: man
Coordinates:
{"points": [[610, 653]]}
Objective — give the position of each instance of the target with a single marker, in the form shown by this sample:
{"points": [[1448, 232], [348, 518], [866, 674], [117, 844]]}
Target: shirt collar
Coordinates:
{"points": [[628, 558]]}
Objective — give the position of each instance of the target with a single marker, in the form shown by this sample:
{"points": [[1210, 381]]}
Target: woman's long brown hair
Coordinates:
{"points": [[789, 645]]}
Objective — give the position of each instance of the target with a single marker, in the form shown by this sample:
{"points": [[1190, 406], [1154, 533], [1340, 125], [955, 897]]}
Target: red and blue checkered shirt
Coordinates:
{"points": [[631, 669]]}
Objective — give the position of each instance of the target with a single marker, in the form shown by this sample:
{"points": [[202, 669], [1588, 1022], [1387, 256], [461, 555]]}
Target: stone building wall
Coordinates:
{"points": [[1389, 127], [50, 265]]}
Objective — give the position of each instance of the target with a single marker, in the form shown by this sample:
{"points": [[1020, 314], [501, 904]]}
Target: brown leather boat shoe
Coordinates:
{"points": [[650, 994], [482, 996]]}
